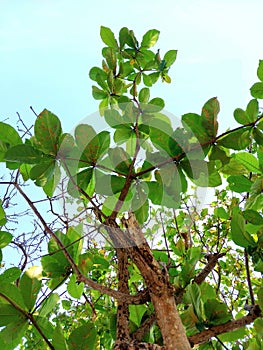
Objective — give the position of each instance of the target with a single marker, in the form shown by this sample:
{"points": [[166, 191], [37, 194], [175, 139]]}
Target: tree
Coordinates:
{"points": [[92, 280]]}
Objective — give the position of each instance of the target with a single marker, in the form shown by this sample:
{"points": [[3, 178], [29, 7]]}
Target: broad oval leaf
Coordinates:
{"points": [[260, 70], [74, 288], [150, 38], [170, 57], [256, 90], [238, 232], [248, 160], [25, 154], [9, 135], [96, 148], [108, 37], [10, 275], [47, 132], [5, 238], [87, 333], [238, 139], [210, 111]]}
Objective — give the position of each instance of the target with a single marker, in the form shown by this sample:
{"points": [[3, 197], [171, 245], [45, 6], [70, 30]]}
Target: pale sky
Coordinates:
{"points": [[47, 48]]}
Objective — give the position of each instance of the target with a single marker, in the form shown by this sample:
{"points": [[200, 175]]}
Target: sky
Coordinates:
{"points": [[47, 48]]}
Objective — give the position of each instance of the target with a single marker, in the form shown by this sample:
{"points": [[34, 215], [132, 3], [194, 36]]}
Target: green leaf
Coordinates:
{"points": [[144, 95], [233, 336], [51, 185], [150, 38], [108, 184], [123, 35], [258, 136], [84, 182], [194, 294], [260, 70], [241, 116], [49, 304], [11, 335], [5, 238], [108, 37], [59, 342], [96, 148], [155, 105], [221, 213], [113, 118], [252, 110], [47, 132], [256, 90], [98, 94], [30, 285], [10, 275], [253, 217], [95, 72], [136, 313], [238, 231], [170, 57], [25, 154], [25, 171], [260, 298], [216, 312], [239, 183], [87, 333], [120, 160], [74, 288], [43, 172], [238, 139], [8, 314], [248, 160], [2, 215], [84, 133], [210, 111], [9, 292], [9, 135], [194, 123]]}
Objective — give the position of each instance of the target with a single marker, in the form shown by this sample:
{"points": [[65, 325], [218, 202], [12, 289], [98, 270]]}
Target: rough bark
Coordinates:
{"points": [[204, 336], [160, 289]]}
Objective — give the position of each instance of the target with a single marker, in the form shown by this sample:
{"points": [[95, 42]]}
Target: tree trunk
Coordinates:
{"points": [[160, 289]]}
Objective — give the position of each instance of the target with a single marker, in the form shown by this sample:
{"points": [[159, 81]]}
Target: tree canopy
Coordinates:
{"points": [[119, 253]]}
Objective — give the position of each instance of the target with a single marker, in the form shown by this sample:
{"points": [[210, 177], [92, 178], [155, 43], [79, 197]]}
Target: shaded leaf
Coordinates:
{"points": [[87, 333], [216, 312], [49, 304]]}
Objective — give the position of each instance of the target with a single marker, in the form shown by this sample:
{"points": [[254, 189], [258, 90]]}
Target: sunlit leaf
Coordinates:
{"points": [[47, 131], [256, 90], [150, 38], [5, 238], [74, 288], [238, 231], [9, 135], [108, 37], [25, 154]]}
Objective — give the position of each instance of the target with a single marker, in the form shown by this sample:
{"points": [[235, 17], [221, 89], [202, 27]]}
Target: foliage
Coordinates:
{"points": [[212, 257]]}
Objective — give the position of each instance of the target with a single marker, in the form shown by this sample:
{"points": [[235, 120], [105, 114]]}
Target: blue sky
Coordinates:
{"points": [[48, 46]]}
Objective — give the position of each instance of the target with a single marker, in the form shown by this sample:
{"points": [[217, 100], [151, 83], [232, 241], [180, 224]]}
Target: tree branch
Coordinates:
{"points": [[204, 336]]}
